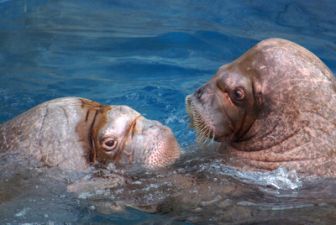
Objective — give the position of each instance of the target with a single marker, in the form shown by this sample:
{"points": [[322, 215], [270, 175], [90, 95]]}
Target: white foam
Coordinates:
{"points": [[22, 212], [280, 179]]}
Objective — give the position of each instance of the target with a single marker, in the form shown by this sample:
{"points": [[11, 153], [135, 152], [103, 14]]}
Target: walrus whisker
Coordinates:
{"points": [[204, 134], [273, 106], [74, 134]]}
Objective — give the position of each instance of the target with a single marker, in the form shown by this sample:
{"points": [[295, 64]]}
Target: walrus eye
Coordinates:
{"points": [[239, 94], [109, 144]]}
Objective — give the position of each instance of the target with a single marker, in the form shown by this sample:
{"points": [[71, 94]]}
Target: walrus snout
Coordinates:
{"points": [[154, 144], [225, 107], [208, 126], [73, 133], [278, 101], [137, 140]]}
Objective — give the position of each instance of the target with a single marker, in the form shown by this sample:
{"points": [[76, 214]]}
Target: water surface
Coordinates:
{"points": [[149, 55]]}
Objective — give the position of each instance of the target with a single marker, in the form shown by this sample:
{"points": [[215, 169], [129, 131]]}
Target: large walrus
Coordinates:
{"points": [[273, 106], [73, 133]]}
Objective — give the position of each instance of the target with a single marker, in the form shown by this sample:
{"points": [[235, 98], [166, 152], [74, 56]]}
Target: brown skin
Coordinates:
{"points": [[273, 106], [73, 133]]}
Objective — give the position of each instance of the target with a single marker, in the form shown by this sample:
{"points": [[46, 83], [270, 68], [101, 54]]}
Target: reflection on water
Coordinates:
{"points": [[150, 55]]}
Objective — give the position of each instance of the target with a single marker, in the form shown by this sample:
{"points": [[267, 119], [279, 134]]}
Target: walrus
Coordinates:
{"points": [[273, 106], [73, 133]]}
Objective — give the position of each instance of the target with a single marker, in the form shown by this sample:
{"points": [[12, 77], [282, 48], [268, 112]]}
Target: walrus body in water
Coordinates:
{"points": [[273, 106], [72, 133]]}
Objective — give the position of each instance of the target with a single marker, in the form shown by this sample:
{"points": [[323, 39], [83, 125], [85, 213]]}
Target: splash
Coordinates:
{"points": [[280, 178]]}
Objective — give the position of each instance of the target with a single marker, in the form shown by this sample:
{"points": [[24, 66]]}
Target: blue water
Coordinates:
{"points": [[147, 54]]}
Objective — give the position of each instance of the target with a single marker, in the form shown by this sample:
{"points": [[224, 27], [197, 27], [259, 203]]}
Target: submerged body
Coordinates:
{"points": [[73, 133], [203, 190], [273, 106]]}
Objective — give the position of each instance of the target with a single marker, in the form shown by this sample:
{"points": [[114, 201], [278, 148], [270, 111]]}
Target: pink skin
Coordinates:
{"points": [[137, 139], [73, 133], [274, 106]]}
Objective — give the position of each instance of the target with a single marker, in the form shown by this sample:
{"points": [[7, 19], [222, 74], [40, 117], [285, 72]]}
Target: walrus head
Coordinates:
{"points": [[225, 108], [72, 133], [122, 135], [275, 105]]}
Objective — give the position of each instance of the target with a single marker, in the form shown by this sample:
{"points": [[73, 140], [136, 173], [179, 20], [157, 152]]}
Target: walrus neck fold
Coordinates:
{"points": [[292, 133], [93, 151], [88, 129], [255, 141], [128, 134], [295, 126], [243, 131]]}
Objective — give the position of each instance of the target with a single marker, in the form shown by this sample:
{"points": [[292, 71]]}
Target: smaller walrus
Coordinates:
{"points": [[273, 106], [73, 132]]}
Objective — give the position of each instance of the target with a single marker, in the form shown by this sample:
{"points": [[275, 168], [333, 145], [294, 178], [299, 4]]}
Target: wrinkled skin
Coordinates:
{"points": [[73, 133], [273, 106]]}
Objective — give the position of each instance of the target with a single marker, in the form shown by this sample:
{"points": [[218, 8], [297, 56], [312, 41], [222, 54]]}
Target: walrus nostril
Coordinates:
{"points": [[271, 108], [199, 93]]}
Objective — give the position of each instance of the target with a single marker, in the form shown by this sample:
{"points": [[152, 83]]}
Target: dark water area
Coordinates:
{"points": [[150, 55]]}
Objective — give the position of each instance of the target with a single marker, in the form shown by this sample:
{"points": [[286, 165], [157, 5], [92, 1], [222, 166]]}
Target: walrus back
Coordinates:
{"points": [[47, 133]]}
